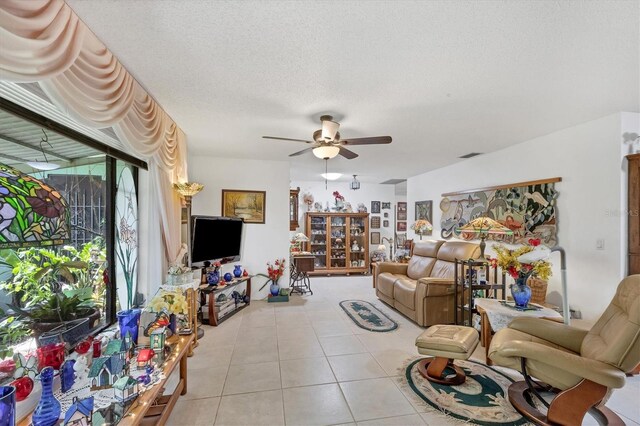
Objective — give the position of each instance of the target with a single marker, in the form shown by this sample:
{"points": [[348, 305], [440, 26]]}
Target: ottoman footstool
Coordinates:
{"points": [[446, 343]]}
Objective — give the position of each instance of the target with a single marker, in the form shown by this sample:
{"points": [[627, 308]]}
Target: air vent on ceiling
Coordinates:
{"points": [[470, 155], [393, 181]]}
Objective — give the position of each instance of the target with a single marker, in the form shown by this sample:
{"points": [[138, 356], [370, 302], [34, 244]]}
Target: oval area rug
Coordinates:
{"points": [[481, 399], [367, 316]]}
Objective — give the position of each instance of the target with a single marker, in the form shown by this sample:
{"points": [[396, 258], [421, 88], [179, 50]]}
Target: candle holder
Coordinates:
{"points": [[51, 356]]}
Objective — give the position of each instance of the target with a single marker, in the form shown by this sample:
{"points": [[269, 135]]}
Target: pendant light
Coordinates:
{"points": [[355, 185], [44, 165]]}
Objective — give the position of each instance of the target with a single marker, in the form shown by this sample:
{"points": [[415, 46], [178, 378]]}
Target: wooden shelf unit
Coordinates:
{"points": [[332, 256], [634, 214]]}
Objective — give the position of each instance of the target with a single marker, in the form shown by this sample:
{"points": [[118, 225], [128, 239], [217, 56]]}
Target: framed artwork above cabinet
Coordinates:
{"points": [[293, 209]]}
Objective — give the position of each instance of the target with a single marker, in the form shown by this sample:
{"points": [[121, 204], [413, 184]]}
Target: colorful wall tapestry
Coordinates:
{"points": [[528, 209]]}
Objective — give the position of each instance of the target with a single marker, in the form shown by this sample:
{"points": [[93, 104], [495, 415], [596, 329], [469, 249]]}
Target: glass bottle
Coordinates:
{"points": [[48, 410]]}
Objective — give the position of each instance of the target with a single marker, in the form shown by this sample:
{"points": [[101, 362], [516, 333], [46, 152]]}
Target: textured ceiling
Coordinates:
{"points": [[442, 78]]}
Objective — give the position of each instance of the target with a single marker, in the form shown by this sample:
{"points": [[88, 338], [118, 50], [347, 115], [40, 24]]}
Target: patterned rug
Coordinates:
{"points": [[367, 316], [482, 399]]}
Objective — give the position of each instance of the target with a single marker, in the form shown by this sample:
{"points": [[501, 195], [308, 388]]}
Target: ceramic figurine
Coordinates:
{"points": [[157, 338], [228, 277], [327, 209], [80, 413], [145, 357], [125, 389], [362, 208], [245, 273], [81, 366], [105, 371], [317, 206]]}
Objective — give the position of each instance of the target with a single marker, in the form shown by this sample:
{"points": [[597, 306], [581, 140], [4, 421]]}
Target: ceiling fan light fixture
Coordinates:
{"points": [[326, 152], [355, 184], [329, 129]]}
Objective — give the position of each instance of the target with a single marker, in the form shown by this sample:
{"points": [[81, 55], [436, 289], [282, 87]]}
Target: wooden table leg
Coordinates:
{"points": [[485, 334], [183, 373]]}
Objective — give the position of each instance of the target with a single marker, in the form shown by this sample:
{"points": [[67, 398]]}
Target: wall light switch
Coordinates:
{"points": [[600, 244]]}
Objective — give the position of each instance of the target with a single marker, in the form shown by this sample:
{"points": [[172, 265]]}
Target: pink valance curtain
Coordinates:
{"points": [[44, 41]]}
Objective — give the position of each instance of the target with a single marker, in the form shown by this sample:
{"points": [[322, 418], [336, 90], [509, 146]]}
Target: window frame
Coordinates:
{"points": [[111, 156]]}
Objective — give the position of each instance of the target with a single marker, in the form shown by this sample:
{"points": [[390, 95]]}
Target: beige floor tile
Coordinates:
{"points": [[255, 353], [294, 332], [252, 378], [205, 382], [355, 367], [375, 398], [411, 420], [315, 405], [394, 361], [341, 345], [292, 319], [259, 408], [331, 328], [296, 349], [304, 372], [200, 412], [258, 320], [208, 356], [256, 336]]}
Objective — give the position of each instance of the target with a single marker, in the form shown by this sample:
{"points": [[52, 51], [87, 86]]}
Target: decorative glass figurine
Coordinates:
{"points": [[48, 410], [237, 271], [67, 375], [128, 321]]}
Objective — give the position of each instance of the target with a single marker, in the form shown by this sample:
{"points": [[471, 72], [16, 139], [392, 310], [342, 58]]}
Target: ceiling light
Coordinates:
{"points": [[326, 152], [331, 176], [329, 128], [355, 185]]}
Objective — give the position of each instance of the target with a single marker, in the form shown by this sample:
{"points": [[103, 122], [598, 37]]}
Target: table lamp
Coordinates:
{"points": [[298, 239], [484, 226]]}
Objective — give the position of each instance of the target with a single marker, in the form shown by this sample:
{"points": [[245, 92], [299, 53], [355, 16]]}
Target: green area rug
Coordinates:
{"points": [[367, 316], [482, 399]]}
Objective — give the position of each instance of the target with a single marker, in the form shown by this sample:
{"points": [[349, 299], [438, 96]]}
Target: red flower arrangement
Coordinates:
{"points": [[337, 196], [275, 270]]}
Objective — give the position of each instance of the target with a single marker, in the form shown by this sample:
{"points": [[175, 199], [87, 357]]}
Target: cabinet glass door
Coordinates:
{"points": [[357, 242], [338, 247], [318, 241]]}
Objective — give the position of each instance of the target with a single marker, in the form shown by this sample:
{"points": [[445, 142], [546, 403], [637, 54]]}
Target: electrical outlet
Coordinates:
{"points": [[600, 244]]}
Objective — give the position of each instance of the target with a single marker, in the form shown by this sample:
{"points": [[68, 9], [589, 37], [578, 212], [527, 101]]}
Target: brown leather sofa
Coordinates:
{"points": [[423, 289]]}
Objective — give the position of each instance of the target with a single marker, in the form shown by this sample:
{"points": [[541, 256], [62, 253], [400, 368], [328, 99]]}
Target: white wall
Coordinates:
{"points": [[262, 242], [368, 192], [588, 158]]}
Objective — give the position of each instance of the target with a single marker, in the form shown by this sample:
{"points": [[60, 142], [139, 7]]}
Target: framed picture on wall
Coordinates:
{"points": [[375, 238], [401, 211], [424, 210], [375, 222], [375, 207], [386, 214], [247, 205], [401, 227], [385, 223], [386, 206]]}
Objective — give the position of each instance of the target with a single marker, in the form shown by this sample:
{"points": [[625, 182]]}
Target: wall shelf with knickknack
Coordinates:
{"points": [[339, 242]]}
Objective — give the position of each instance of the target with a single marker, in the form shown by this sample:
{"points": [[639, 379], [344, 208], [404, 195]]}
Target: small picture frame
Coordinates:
{"points": [[386, 214], [402, 215], [401, 227], [375, 222], [385, 223], [375, 238], [386, 206], [375, 207]]}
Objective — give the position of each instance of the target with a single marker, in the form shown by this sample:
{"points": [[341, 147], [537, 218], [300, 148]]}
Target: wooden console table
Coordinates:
{"points": [[211, 292]]}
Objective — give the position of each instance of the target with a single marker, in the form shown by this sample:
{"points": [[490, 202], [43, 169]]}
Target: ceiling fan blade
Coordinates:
{"points": [[349, 155], [374, 140], [286, 139], [295, 154]]}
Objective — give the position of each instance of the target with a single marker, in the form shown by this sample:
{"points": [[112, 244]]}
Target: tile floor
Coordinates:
{"points": [[306, 363]]}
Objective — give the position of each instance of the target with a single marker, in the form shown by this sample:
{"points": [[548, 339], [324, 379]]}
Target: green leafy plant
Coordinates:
{"points": [[12, 332], [57, 308]]}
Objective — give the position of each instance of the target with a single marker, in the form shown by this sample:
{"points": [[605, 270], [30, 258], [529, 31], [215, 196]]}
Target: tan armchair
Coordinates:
{"points": [[581, 367], [423, 289]]}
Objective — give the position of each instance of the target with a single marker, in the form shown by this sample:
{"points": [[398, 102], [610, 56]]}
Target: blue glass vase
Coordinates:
{"points": [[213, 278], [7, 405], [128, 321], [48, 410], [274, 288], [237, 271], [521, 292], [228, 277]]}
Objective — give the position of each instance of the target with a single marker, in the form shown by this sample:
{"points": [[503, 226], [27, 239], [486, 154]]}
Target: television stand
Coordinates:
{"points": [[212, 292]]}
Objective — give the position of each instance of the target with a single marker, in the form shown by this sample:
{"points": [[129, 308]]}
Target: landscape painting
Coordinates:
{"points": [[247, 205]]}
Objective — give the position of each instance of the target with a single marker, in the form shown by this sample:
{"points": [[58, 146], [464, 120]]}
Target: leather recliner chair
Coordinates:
{"points": [[423, 289], [581, 367]]}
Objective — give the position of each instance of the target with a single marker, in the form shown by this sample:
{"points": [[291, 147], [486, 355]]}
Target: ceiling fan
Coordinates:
{"points": [[327, 144]]}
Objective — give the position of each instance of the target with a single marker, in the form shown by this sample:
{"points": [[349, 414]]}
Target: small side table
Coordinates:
{"points": [[300, 268], [494, 316]]}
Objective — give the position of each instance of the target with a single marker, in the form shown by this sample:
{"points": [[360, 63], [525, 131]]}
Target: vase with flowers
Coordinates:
{"points": [[521, 263], [275, 270], [422, 227], [339, 200]]}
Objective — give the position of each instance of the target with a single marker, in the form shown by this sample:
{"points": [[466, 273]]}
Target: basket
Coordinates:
{"points": [[538, 290]]}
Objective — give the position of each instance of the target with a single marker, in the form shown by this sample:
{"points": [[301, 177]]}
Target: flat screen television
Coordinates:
{"points": [[215, 238]]}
